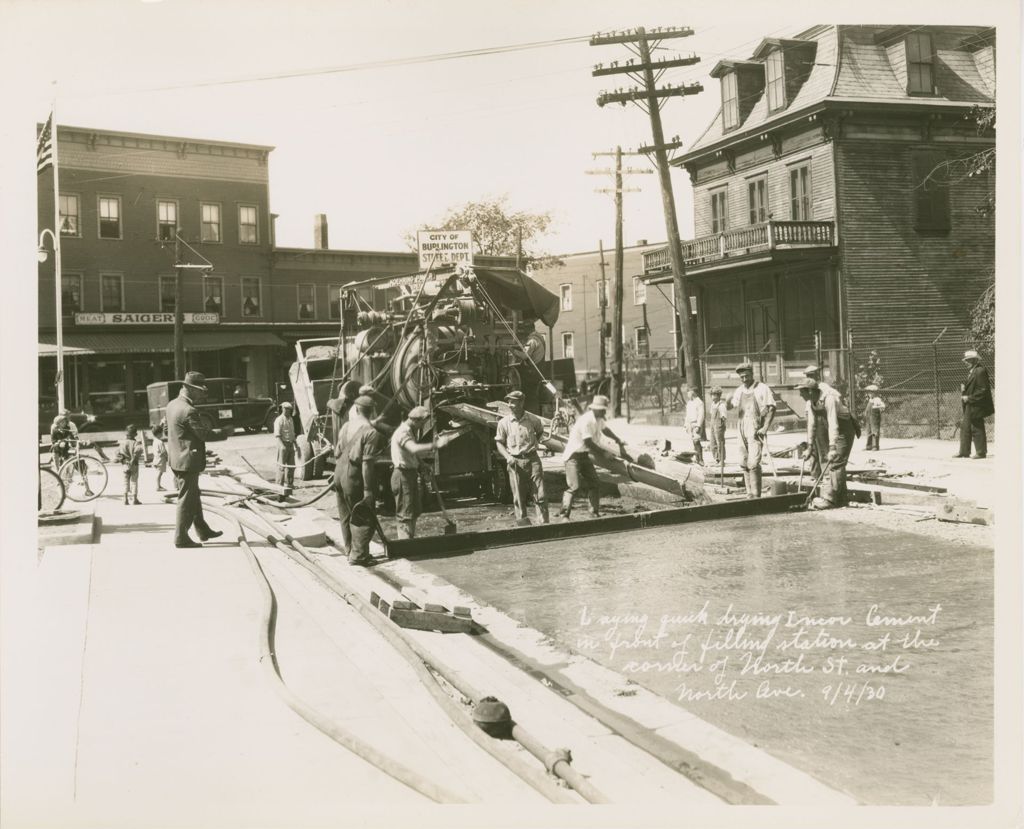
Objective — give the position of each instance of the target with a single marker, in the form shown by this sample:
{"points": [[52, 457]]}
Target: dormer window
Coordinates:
{"points": [[920, 75], [775, 80], [730, 102]]}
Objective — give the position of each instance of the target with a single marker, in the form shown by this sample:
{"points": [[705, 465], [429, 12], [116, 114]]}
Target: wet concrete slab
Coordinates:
{"points": [[928, 739]]}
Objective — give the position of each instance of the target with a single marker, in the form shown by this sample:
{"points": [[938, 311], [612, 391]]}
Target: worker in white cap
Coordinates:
{"points": [[756, 411], [976, 397], [584, 441], [814, 373], [284, 433], [518, 438], [828, 413], [357, 451], [406, 453]]}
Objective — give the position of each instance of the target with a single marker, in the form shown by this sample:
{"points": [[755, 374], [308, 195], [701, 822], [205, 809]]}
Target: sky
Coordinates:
{"points": [[383, 150]]}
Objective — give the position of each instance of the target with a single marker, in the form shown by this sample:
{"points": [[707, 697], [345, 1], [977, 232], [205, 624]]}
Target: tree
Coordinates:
{"points": [[498, 231], [983, 320]]}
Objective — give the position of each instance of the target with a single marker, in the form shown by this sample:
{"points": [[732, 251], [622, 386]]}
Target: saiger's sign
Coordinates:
{"points": [[156, 318], [445, 247]]}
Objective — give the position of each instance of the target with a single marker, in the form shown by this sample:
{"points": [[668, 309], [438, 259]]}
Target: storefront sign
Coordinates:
{"points": [[445, 247], [156, 318]]}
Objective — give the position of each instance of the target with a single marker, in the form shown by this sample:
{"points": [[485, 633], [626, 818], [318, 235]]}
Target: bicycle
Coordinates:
{"points": [[51, 490], [84, 476]]}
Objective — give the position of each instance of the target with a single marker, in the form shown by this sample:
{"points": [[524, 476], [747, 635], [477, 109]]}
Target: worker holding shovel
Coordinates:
{"points": [[518, 437], [831, 415], [407, 453]]}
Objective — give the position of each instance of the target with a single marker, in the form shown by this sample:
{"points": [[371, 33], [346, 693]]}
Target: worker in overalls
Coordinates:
{"points": [[517, 439], [833, 417], [284, 432], [755, 407], [358, 447]]}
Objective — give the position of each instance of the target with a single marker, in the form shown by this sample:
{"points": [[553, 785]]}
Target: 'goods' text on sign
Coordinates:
{"points": [[445, 247]]}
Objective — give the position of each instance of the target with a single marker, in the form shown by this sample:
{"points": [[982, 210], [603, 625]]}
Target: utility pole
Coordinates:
{"points": [[618, 190], [649, 98], [179, 315], [603, 302]]}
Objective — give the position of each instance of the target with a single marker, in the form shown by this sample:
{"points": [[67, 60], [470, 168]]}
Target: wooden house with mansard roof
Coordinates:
{"points": [[821, 201]]}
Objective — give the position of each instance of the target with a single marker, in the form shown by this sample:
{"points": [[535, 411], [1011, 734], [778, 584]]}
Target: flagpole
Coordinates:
{"points": [[57, 275]]}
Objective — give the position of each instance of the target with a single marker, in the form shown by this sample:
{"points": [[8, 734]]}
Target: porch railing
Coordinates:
{"points": [[765, 236]]}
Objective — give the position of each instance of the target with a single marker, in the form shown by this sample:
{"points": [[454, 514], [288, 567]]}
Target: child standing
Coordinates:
{"points": [[159, 455], [129, 455], [873, 417], [717, 416]]}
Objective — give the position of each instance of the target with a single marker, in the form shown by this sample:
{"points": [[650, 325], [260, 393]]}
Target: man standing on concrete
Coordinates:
{"points": [[830, 414], [694, 423], [584, 440], [756, 405], [407, 452], [519, 434], [186, 451], [718, 420], [357, 451], [976, 396], [284, 431]]}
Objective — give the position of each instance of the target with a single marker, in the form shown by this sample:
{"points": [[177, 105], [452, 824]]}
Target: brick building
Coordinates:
{"points": [[123, 199], [648, 327], [822, 202]]}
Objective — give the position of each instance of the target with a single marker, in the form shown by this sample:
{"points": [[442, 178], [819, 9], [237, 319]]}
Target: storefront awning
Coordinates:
{"points": [[143, 342]]}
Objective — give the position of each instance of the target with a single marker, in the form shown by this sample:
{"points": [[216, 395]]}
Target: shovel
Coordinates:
{"points": [[450, 527], [810, 495], [800, 484]]}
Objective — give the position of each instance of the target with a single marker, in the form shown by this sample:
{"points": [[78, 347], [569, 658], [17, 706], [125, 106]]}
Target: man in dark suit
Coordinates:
{"points": [[186, 453], [976, 395]]}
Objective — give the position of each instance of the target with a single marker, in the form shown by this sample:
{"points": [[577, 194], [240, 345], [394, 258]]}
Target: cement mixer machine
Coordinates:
{"points": [[434, 339]]}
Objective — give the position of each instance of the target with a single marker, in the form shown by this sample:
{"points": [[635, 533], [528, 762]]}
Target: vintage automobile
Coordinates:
{"points": [[227, 405], [83, 421]]}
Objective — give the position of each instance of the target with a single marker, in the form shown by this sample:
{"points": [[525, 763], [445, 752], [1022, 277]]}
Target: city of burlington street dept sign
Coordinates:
{"points": [[145, 318]]}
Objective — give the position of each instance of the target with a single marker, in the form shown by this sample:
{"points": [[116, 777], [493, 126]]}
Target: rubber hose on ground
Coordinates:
{"points": [[386, 764], [420, 663]]}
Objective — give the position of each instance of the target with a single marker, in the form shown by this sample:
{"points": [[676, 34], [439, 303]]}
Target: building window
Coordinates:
{"points": [[565, 292], [111, 292], [757, 200], [639, 291], [730, 102], [931, 191], [718, 211], [602, 292], [248, 226], [334, 301], [567, 348], [69, 225], [167, 294], [251, 305], [166, 220], [70, 294], [775, 80], [213, 295], [641, 342], [210, 222], [307, 302], [800, 193], [110, 217], [920, 78]]}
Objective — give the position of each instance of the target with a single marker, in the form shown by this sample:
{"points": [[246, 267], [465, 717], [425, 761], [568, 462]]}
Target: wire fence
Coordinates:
{"points": [[919, 383]]}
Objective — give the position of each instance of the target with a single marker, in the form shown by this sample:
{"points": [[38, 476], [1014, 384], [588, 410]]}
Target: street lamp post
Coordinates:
{"points": [[58, 307]]}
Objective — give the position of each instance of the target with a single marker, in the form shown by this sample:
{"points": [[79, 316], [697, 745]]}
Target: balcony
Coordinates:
{"points": [[742, 242]]}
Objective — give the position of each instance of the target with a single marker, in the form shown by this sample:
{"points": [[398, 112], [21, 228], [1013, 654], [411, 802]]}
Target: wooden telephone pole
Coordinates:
{"points": [[618, 190], [603, 302], [650, 98]]}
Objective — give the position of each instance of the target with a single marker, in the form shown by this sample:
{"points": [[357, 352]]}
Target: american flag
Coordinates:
{"points": [[44, 146]]}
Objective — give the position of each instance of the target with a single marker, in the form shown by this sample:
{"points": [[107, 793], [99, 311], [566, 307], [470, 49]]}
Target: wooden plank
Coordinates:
{"points": [[468, 542]]}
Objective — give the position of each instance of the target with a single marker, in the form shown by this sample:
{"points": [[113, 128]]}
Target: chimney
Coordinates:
{"points": [[320, 232], [641, 243]]}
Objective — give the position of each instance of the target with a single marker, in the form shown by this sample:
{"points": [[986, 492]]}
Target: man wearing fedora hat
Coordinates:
{"points": [[186, 453], [584, 440], [518, 437], [976, 397]]}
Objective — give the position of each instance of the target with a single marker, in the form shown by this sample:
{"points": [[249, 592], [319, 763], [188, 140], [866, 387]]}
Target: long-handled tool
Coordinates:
{"points": [[810, 495], [450, 527], [800, 483]]}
